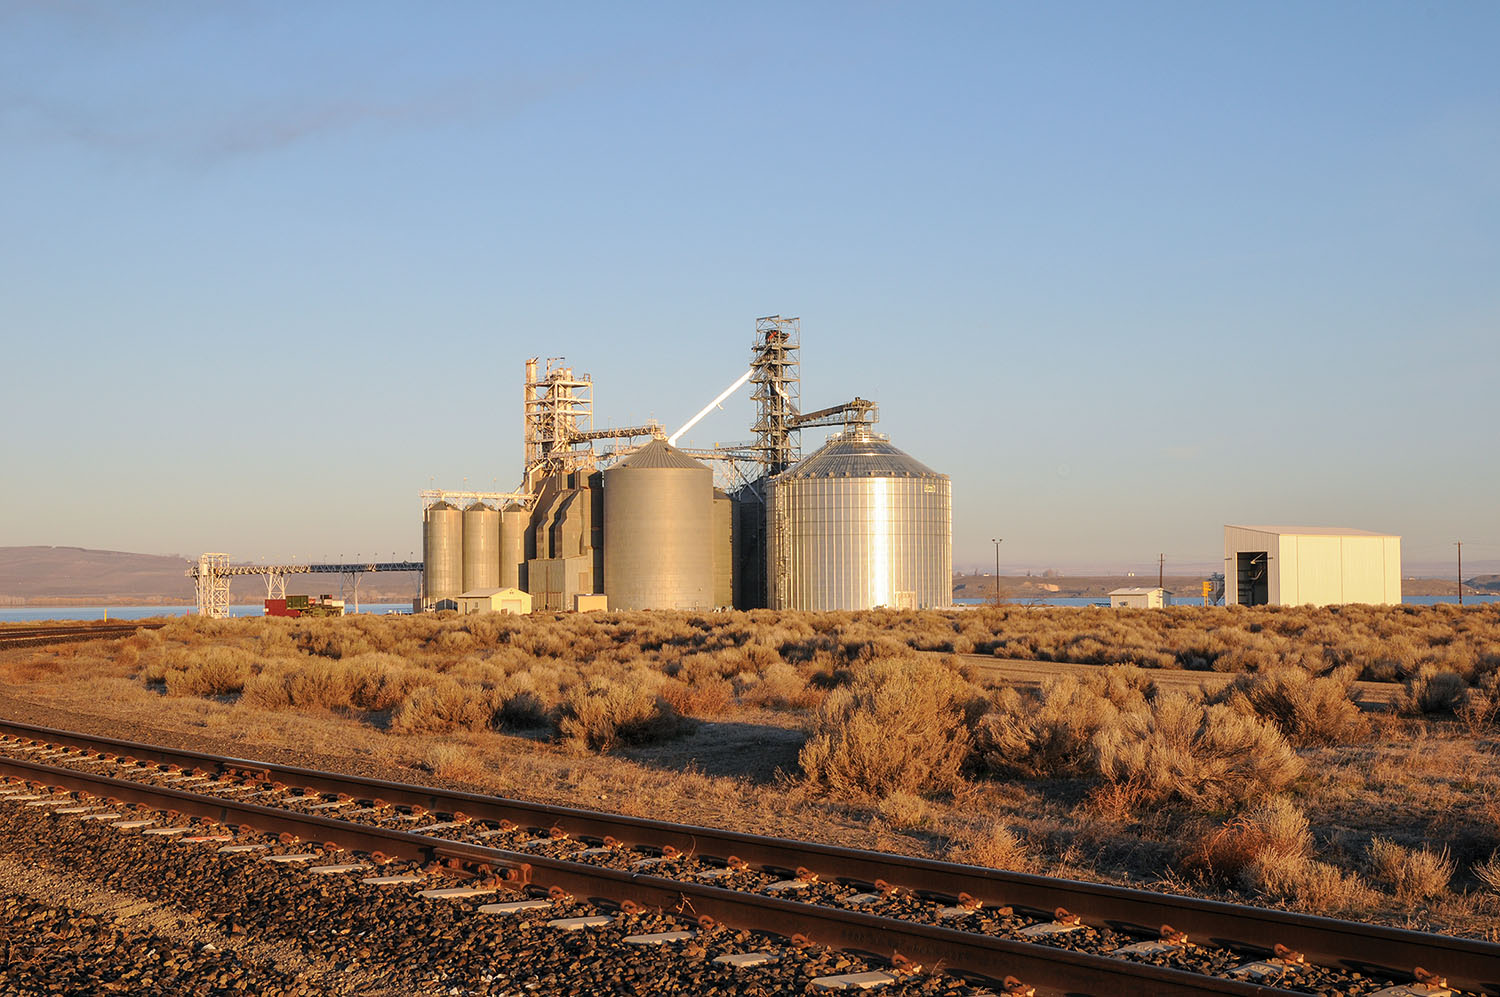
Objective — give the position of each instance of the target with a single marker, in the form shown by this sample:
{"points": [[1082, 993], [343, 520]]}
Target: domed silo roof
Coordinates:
{"points": [[859, 524]]}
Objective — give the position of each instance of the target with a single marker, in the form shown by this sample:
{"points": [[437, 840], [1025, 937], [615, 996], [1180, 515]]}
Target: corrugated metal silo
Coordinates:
{"points": [[442, 553], [859, 524], [481, 547], [658, 531], [513, 522], [723, 549]]}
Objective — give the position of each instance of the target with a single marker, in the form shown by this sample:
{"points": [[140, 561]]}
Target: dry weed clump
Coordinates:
{"points": [[1051, 732], [1267, 848], [1269, 851], [1488, 872], [1206, 755], [779, 686], [905, 810], [1432, 691], [606, 713], [1308, 710], [453, 761], [209, 671], [1413, 875], [902, 724], [445, 706], [994, 845]]}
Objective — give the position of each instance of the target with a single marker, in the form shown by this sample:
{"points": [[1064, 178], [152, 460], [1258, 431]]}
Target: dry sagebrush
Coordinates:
{"points": [[901, 725]]}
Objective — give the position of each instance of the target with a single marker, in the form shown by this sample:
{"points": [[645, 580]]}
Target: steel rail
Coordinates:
{"points": [[1055, 972], [1365, 948]]}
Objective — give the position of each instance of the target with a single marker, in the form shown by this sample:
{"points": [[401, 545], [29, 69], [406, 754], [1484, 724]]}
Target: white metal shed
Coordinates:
{"points": [[1139, 598], [1310, 566], [501, 600]]}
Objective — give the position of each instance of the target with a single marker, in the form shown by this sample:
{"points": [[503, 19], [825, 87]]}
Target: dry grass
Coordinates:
{"points": [[1413, 875], [1488, 872], [901, 725], [994, 845], [1269, 846], [454, 762], [904, 810]]}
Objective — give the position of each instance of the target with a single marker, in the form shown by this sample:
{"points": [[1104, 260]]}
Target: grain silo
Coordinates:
{"points": [[481, 547], [513, 522], [442, 554], [723, 549], [859, 524], [658, 531]]}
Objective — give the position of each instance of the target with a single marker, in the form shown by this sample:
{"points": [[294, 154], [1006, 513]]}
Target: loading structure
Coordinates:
{"points": [[857, 525]]}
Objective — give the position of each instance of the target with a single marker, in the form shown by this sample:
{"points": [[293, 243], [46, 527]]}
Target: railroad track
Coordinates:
{"points": [[1056, 936], [62, 634]]}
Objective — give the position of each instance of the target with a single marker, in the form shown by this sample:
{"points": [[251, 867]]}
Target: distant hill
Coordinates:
{"points": [[77, 576]]}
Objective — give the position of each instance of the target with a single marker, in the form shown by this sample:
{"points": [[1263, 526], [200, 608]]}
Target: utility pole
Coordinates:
{"points": [[997, 543], [1460, 545], [1161, 570]]}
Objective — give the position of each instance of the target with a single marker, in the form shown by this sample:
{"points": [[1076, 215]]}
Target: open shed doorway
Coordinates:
{"points": [[1253, 576]]}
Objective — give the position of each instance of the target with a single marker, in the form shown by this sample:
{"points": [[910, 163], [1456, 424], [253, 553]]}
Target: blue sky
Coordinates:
{"points": [[1127, 272]]}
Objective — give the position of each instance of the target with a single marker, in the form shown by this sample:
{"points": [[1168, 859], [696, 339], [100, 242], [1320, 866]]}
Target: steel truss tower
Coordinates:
{"points": [[775, 367], [213, 586]]}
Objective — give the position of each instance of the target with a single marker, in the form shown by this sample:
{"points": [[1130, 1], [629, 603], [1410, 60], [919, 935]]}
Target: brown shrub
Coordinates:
{"points": [[1321, 888], [778, 687], [1488, 872], [994, 845], [445, 706], [1051, 732], [709, 697], [901, 724], [209, 671], [521, 702], [1307, 710], [1432, 691], [1209, 756], [1413, 875], [1263, 849], [605, 714], [1481, 707], [905, 810], [453, 761]]}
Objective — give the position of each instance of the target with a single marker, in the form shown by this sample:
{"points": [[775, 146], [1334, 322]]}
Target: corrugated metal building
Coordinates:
{"points": [[1310, 566]]}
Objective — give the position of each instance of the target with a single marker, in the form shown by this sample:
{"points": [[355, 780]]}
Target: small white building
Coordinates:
{"points": [[1139, 598], [1310, 566], [508, 600]]}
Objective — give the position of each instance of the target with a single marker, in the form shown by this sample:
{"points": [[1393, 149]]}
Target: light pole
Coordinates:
{"points": [[997, 543], [1460, 545]]}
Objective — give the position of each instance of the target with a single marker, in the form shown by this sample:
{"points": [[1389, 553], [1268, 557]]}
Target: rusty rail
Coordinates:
{"points": [[1054, 972], [1369, 949]]}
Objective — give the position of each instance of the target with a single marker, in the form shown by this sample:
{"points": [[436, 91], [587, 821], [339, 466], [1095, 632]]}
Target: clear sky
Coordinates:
{"points": [[1126, 271]]}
